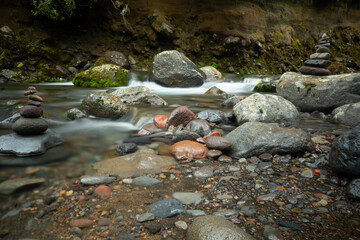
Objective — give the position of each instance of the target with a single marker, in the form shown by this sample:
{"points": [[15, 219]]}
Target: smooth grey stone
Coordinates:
{"points": [[30, 126], [74, 113], [145, 181], [93, 180], [29, 145], [307, 173], [324, 56], [248, 210], [322, 50], [204, 172], [195, 213], [353, 189], [212, 116], [308, 211], [10, 213], [166, 208], [188, 197], [145, 217], [264, 165], [317, 63], [227, 213], [347, 114], [322, 45]]}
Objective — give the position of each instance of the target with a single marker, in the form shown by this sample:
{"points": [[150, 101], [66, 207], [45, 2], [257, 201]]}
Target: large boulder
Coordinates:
{"points": [[212, 74], [215, 227], [106, 75], [311, 93], [138, 95], [255, 138], [265, 108], [173, 69], [345, 154], [138, 163], [29, 145], [104, 105], [348, 114]]}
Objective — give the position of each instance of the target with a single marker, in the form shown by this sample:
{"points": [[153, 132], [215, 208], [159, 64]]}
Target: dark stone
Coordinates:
{"points": [[153, 228], [353, 189], [30, 92], [126, 148], [289, 224], [323, 50], [212, 116], [8, 122], [30, 126], [306, 70], [213, 154], [322, 45], [199, 126], [255, 138], [317, 63], [31, 111], [216, 142], [184, 135], [35, 103], [345, 154], [180, 115], [347, 114], [29, 145], [173, 69], [166, 208], [117, 58]]}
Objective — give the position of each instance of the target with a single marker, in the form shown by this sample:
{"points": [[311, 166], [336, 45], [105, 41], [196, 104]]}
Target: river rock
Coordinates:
{"points": [[106, 75], [166, 208], [212, 116], [213, 154], [160, 121], [348, 114], [255, 138], [311, 93], [94, 180], [324, 56], [35, 98], [145, 181], [216, 142], [314, 71], [265, 108], [29, 145], [188, 197], [31, 111], [173, 69], [145, 217], [104, 105], [74, 113], [188, 150], [215, 91], [30, 126], [180, 115], [212, 74], [126, 148], [199, 126], [317, 63], [353, 189], [204, 172], [215, 227], [344, 156], [184, 135], [322, 50], [138, 163], [139, 95], [12, 185], [232, 101], [117, 58]]}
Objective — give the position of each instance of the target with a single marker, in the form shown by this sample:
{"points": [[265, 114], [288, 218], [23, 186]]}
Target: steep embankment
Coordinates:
{"points": [[234, 36]]}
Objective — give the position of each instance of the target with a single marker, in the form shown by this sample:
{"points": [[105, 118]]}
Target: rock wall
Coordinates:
{"points": [[233, 36]]}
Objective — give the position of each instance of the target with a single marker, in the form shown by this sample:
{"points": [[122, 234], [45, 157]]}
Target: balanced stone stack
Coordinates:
{"points": [[318, 61], [31, 121]]}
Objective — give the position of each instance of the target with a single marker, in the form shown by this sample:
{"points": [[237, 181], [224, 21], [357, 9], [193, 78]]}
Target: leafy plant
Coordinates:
{"points": [[54, 9]]}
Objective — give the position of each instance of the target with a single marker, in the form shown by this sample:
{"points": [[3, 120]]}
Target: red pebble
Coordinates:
{"points": [[330, 139], [317, 172], [160, 121], [103, 192]]}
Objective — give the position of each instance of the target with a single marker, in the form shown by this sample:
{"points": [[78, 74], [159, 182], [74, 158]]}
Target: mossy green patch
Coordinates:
{"points": [[48, 74]]}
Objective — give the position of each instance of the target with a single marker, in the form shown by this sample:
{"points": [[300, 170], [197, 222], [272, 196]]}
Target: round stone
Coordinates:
{"points": [[126, 148], [30, 92], [31, 111], [30, 126], [35, 103], [35, 98]]}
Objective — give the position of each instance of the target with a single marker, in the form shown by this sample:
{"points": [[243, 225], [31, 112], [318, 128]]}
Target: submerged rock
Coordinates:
{"points": [[265, 108], [215, 227], [141, 162], [255, 138], [348, 114], [29, 145], [172, 69], [344, 156], [101, 104], [138, 95], [311, 93], [187, 150], [12, 185], [166, 208]]}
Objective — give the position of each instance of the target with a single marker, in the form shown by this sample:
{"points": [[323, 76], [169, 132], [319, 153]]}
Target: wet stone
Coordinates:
{"points": [[35, 103], [12, 185], [213, 154], [31, 224], [153, 228], [188, 197], [248, 210], [181, 225], [145, 217], [266, 157], [31, 111], [251, 167], [76, 231], [264, 165], [308, 173], [81, 223], [227, 213], [35, 98], [93, 180], [103, 192], [145, 181], [204, 172], [166, 208], [126, 148], [195, 213], [353, 189], [266, 197]]}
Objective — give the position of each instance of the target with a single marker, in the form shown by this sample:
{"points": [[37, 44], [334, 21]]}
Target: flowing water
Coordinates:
{"points": [[91, 139]]}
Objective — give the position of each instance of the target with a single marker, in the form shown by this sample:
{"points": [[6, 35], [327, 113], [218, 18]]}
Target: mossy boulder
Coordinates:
{"points": [[106, 75], [49, 74], [265, 87]]}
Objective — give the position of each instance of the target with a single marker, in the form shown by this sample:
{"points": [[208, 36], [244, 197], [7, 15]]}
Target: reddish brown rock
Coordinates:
{"points": [[188, 150], [31, 111], [306, 70], [81, 223], [160, 121], [203, 139], [216, 142], [180, 115], [147, 129], [338, 68], [104, 192]]}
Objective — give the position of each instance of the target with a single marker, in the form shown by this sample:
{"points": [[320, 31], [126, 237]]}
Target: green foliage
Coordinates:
{"points": [[54, 9]]}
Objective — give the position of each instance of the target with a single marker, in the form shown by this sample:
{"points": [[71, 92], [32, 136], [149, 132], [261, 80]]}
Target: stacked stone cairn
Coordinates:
{"points": [[31, 121], [318, 61]]}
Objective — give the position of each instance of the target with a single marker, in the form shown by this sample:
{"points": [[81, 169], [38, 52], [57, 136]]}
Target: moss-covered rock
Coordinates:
{"points": [[48, 74], [265, 87], [106, 75]]}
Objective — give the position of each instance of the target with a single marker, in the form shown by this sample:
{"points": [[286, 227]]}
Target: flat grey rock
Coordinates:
{"points": [[188, 197], [145, 181], [93, 180], [166, 208], [12, 185]]}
